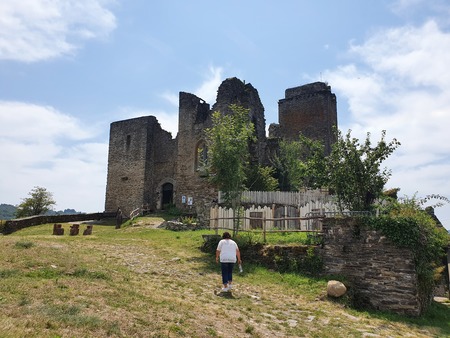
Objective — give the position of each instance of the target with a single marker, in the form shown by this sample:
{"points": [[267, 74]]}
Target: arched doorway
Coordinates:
{"points": [[167, 195]]}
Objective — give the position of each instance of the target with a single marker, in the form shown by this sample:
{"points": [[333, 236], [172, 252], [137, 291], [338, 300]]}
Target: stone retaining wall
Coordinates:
{"points": [[378, 274], [382, 275], [21, 223]]}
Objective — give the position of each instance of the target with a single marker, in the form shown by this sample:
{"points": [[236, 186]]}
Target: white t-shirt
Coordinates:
{"points": [[227, 248]]}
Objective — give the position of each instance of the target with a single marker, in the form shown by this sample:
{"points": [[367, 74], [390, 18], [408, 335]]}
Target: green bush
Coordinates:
{"points": [[189, 220], [309, 264]]}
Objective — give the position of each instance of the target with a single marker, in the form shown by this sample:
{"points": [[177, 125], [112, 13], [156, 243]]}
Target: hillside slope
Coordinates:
{"points": [[146, 282]]}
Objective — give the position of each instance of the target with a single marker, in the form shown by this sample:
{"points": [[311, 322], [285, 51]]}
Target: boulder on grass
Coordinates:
{"points": [[336, 289]]}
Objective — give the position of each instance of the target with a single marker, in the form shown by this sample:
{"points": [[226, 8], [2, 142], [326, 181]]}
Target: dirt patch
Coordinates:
{"points": [[148, 223]]}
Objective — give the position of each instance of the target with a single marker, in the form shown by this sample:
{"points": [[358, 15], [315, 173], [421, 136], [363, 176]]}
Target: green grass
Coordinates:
{"points": [[143, 282]]}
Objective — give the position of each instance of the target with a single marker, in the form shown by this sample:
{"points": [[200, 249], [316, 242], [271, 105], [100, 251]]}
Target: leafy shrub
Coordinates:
{"points": [[310, 264], [210, 244], [172, 210], [189, 220]]}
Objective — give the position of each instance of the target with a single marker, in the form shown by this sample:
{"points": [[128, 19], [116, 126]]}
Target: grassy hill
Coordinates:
{"points": [[141, 281]]}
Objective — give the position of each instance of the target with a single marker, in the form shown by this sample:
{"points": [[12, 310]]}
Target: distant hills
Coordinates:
{"points": [[8, 211]]}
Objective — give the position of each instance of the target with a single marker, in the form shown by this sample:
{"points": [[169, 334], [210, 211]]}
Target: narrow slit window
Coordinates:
{"points": [[201, 156], [128, 142]]}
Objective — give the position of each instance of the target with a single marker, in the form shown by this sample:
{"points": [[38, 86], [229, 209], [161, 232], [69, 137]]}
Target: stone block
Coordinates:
{"points": [[58, 230], [74, 229]]}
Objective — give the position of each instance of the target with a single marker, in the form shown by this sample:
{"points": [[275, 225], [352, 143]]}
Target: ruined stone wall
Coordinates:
{"points": [[383, 275], [234, 91], [194, 118], [143, 157], [311, 110], [132, 168], [162, 168]]}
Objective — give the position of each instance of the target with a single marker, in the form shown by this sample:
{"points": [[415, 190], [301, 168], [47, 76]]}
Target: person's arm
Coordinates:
{"points": [[238, 255], [217, 256]]}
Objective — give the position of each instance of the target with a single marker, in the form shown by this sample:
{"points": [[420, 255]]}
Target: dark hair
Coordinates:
{"points": [[226, 235]]}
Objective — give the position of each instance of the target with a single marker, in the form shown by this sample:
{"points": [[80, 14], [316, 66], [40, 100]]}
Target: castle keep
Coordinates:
{"points": [[148, 168]]}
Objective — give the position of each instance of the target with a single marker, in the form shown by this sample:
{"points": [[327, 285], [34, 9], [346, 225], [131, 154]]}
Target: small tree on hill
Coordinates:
{"points": [[39, 202], [355, 173], [228, 153], [352, 171]]}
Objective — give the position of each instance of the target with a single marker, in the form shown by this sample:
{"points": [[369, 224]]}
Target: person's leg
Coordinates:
{"points": [[230, 274], [224, 268]]}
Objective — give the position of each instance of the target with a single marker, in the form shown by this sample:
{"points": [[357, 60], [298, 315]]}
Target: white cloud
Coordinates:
{"points": [[208, 89], [405, 53], [40, 146], [35, 30], [398, 81], [172, 98]]}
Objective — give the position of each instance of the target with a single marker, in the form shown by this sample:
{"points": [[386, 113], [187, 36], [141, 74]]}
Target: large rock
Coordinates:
{"points": [[336, 288]]}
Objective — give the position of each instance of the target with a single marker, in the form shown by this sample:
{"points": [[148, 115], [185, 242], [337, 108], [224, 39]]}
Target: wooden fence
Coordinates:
{"points": [[277, 210], [291, 198], [266, 218], [262, 221]]}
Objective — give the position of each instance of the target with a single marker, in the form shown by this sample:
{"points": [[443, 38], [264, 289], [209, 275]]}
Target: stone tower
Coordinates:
{"points": [[141, 162], [311, 110]]}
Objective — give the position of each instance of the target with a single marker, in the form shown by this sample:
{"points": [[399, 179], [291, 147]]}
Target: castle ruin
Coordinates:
{"points": [[147, 168]]}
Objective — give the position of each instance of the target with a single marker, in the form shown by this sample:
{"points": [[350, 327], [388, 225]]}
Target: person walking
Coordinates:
{"points": [[119, 216], [227, 253]]}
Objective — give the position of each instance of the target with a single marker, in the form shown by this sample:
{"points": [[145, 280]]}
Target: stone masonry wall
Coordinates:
{"points": [[383, 275], [13, 225], [194, 118], [234, 91], [311, 110], [380, 275], [133, 167]]}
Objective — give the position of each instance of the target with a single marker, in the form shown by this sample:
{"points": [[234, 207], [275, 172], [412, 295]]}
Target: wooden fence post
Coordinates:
{"points": [[216, 221], [264, 228], [285, 220]]}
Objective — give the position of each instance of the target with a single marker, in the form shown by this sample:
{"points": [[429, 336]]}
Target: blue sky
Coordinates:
{"points": [[69, 68]]}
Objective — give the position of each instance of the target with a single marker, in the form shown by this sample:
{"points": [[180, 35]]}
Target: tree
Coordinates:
{"points": [[301, 164], [354, 170], [39, 203], [261, 178], [228, 152]]}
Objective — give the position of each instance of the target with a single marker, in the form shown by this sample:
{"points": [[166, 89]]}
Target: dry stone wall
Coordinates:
{"points": [[13, 225], [382, 274], [379, 275]]}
